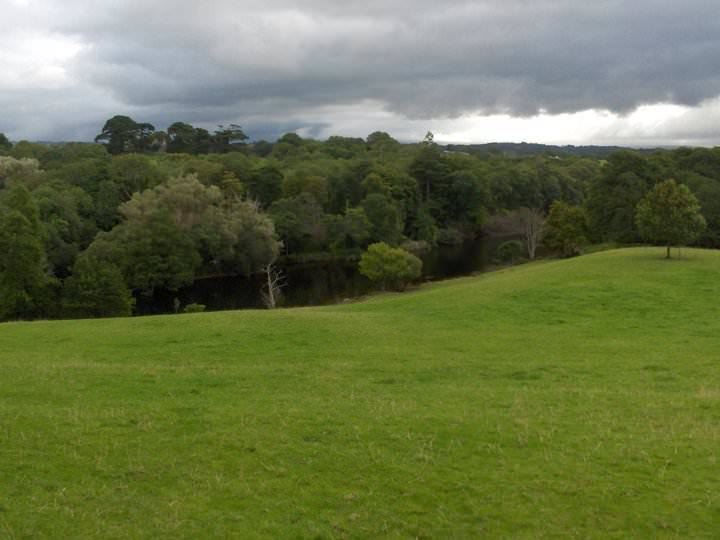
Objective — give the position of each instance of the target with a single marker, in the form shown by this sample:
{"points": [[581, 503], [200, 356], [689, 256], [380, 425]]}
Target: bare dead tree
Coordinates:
{"points": [[272, 291], [533, 228], [527, 223]]}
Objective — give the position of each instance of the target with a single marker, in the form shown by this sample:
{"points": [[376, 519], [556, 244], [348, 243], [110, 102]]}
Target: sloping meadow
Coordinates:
{"points": [[575, 398]]}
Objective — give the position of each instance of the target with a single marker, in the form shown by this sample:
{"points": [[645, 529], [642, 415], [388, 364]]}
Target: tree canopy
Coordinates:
{"points": [[162, 209], [389, 266], [670, 214]]}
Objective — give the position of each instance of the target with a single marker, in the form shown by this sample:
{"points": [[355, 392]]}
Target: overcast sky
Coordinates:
{"points": [[629, 72]]}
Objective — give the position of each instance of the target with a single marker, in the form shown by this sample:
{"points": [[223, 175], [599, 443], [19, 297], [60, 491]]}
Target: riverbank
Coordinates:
{"points": [[313, 281]]}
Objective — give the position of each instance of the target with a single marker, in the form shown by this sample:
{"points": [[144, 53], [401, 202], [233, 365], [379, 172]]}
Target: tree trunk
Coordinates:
{"points": [[271, 295], [271, 287], [667, 256]]}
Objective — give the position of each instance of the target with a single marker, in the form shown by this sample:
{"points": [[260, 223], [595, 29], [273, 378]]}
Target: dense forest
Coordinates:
{"points": [[86, 227]]}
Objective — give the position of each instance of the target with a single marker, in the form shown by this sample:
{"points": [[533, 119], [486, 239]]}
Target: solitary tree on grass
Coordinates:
{"points": [[669, 214]]}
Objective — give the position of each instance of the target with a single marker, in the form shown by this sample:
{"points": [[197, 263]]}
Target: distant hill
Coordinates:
{"points": [[535, 149]]}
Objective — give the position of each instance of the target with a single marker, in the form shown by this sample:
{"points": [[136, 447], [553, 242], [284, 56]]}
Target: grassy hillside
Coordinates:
{"points": [[576, 398]]}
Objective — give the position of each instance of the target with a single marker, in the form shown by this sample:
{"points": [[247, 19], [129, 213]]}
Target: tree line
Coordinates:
{"points": [[88, 227]]}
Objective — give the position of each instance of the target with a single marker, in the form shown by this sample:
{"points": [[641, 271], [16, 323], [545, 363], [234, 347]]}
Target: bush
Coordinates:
{"points": [[194, 308], [510, 251], [389, 267]]}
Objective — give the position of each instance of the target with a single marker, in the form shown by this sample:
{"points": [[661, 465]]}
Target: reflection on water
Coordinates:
{"points": [[317, 283]]}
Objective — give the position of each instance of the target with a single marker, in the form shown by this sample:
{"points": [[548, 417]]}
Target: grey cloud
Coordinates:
{"points": [[222, 59]]}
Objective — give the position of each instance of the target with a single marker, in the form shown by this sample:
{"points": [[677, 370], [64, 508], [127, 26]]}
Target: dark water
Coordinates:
{"points": [[317, 283]]}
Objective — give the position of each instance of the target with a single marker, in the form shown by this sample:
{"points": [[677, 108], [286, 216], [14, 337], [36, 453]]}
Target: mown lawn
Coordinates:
{"points": [[565, 399]]}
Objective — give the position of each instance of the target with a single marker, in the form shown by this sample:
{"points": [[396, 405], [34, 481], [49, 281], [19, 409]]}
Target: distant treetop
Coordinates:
{"points": [[121, 134]]}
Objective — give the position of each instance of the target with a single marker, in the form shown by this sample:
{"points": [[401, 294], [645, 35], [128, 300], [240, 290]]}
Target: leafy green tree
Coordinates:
{"points": [[57, 155], [264, 185], [389, 266], [25, 171], [107, 201], [181, 138], [235, 239], [23, 274], [304, 181], [345, 179], [613, 197], [231, 186], [172, 232], [22, 267], [28, 150], [19, 198], [262, 148], [300, 223], [152, 252], [429, 168], [96, 288], [209, 172], [707, 191], [66, 215], [670, 214], [385, 221], [292, 139], [422, 226], [122, 134], [133, 173], [565, 228], [375, 183], [85, 173], [238, 163], [381, 142], [356, 226], [349, 231], [203, 142], [466, 199], [228, 138], [5, 144], [344, 147]]}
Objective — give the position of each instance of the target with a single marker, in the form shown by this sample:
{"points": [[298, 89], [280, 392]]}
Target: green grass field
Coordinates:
{"points": [[566, 399]]}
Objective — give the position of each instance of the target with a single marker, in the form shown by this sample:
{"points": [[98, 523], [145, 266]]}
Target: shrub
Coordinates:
{"points": [[510, 251], [389, 267], [194, 308]]}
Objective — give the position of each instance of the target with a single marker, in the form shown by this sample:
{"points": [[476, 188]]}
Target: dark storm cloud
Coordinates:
{"points": [[420, 58], [223, 60]]}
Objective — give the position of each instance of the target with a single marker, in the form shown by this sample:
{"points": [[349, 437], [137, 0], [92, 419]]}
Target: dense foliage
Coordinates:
{"points": [[566, 228], [670, 214], [164, 208], [390, 267]]}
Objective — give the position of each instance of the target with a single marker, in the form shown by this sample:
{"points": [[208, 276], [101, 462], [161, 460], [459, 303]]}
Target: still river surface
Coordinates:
{"points": [[318, 283]]}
